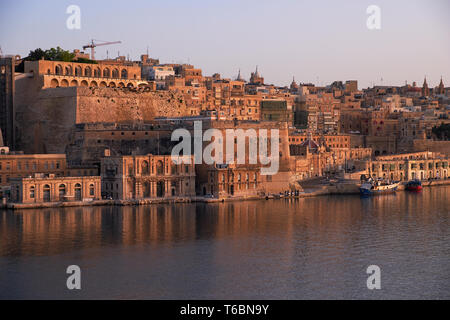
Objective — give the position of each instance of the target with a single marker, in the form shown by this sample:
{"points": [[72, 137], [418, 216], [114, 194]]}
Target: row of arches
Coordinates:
{"points": [[160, 192], [145, 168], [88, 71], [55, 83], [62, 192]]}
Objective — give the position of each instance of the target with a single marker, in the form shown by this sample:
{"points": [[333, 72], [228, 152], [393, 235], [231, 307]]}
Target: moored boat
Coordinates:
{"points": [[414, 185], [378, 187]]}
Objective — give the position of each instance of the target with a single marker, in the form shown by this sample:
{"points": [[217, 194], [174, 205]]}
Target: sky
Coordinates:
{"points": [[314, 41]]}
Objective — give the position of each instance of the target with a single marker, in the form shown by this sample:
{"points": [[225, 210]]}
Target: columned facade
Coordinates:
{"points": [[148, 176]]}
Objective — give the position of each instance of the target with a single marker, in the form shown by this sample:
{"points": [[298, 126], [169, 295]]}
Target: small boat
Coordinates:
{"points": [[378, 187], [414, 185]]}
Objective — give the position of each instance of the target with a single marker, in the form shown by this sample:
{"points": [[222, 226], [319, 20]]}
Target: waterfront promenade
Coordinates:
{"points": [[315, 188]]}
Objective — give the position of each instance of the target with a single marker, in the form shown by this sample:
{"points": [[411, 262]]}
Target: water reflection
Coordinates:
{"points": [[298, 248]]}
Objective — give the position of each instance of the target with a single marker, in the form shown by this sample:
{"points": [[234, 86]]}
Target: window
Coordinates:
{"points": [[78, 192], [106, 73], [91, 190], [62, 191], [32, 192], [145, 168], [46, 193]]}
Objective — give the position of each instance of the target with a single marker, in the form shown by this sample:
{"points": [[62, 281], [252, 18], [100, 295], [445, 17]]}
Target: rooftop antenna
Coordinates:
{"points": [[147, 50], [107, 54]]}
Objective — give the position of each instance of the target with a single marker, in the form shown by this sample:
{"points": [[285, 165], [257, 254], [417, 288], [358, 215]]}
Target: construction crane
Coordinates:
{"points": [[92, 45]]}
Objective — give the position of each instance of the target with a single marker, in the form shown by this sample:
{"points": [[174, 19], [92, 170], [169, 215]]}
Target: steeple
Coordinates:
{"points": [[425, 89], [294, 86], [255, 78], [239, 78], [441, 88]]}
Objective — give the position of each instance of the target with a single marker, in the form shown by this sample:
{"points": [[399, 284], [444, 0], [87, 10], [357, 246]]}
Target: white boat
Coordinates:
{"points": [[378, 187]]}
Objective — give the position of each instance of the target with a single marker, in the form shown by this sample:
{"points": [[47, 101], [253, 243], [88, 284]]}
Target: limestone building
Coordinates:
{"points": [[146, 176], [41, 189]]}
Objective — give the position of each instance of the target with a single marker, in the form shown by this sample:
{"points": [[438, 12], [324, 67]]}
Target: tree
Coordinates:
{"points": [[52, 54], [37, 54]]}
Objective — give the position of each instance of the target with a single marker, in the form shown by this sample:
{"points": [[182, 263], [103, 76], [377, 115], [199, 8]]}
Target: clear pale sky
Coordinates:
{"points": [[315, 41]]}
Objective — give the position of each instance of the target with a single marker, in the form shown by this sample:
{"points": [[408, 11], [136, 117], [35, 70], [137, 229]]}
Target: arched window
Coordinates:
{"points": [[78, 192], [124, 74], [62, 191], [160, 189], [88, 72], [159, 168], [58, 70], [91, 190], [68, 71], [97, 73], [115, 73], [106, 73], [46, 193], [78, 71], [145, 168], [146, 190], [32, 192]]}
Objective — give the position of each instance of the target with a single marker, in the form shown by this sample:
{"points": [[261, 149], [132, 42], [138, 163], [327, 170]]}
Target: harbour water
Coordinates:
{"points": [[312, 248]]}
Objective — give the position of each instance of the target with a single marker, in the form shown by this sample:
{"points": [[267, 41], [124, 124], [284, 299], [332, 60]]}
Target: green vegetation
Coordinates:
{"points": [[84, 60], [52, 54], [442, 132]]}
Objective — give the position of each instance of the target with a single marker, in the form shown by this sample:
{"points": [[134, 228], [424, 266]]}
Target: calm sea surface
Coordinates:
{"points": [[275, 249]]}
